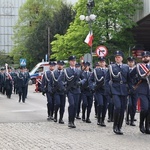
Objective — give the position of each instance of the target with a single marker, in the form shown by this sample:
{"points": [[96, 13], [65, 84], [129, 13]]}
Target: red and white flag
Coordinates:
{"points": [[89, 39]]}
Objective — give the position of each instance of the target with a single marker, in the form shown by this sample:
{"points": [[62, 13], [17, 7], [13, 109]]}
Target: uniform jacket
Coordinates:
{"points": [[56, 86], [85, 87], [72, 79], [117, 80], [97, 80], [143, 87], [47, 82]]}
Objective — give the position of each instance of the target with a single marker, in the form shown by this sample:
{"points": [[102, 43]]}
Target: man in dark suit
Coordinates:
{"points": [[132, 97], [116, 82], [72, 77], [143, 89], [86, 94], [21, 84], [47, 85], [59, 95], [97, 81]]}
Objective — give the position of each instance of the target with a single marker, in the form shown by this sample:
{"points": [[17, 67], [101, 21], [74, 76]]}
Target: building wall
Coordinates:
{"points": [[144, 12], [8, 17]]}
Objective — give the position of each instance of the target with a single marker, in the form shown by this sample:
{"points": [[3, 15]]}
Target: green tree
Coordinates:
{"points": [[111, 28], [5, 58], [31, 30]]}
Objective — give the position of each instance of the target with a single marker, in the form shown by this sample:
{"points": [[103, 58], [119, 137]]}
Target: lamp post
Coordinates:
{"points": [[48, 52], [89, 18]]}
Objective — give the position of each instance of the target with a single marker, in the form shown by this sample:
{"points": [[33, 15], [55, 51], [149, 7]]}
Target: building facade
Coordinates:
{"points": [[142, 30], [8, 18]]}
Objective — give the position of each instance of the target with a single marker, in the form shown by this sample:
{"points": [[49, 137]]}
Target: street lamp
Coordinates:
{"points": [[48, 52], [89, 18]]}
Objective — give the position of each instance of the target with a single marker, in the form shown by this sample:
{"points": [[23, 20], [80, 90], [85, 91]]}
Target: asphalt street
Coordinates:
{"points": [[23, 126]]}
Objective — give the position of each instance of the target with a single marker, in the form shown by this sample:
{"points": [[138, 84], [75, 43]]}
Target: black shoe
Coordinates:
{"points": [[83, 119], [102, 124], [142, 129], [120, 132], [51, 117], [55, 119], [132, 124], [127, 123], [19, 101], [78, 117], [71, 125], [61, 121], [108, 120], [135, 119], [147, 131], [88, 121], [48, 118], [117, 131]]}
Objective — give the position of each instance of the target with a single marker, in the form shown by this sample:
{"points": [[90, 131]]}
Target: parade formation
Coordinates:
{"points": [[114, 88], [15, 81]]}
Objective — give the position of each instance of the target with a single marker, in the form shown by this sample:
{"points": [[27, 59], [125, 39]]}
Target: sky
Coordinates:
{"points": [[72, 1]]}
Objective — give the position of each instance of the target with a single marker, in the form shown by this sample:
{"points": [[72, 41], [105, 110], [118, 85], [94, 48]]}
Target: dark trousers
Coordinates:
{"points": [[59, 104], [102, 104], [110, 108], [120, 103], [86, 104], [131, 106], [22, 94], [26, 91], [79, 105], [9, 92], [49, 103], [73, 104], [145, 111]]}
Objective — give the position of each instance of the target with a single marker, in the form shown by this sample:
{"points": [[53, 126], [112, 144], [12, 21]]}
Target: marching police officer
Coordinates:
{"points": [[21, 84], [116, 81], [8, 82], [72, 76], [95, 102], [86, 93], [143, 89], [59, 95], [27, 75], [2, 79], [47, 85], [132, 97], [98, 77], [78, 65]]}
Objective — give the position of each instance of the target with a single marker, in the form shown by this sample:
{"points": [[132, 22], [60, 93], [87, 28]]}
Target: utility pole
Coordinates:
{"points": [[48, 53]]}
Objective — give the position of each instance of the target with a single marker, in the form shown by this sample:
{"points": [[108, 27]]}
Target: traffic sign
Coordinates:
{"points": [[88, 57], [22, 62], [101, 51]]}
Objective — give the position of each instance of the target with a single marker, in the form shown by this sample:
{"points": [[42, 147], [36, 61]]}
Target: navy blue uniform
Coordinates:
{"points": [[116, 82], [132, 102], [97, 78], [47, 84], [72, 78], [21, 84], [27, 76], [59, 96], [87, 96], [8, 85], [143, 90]]}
